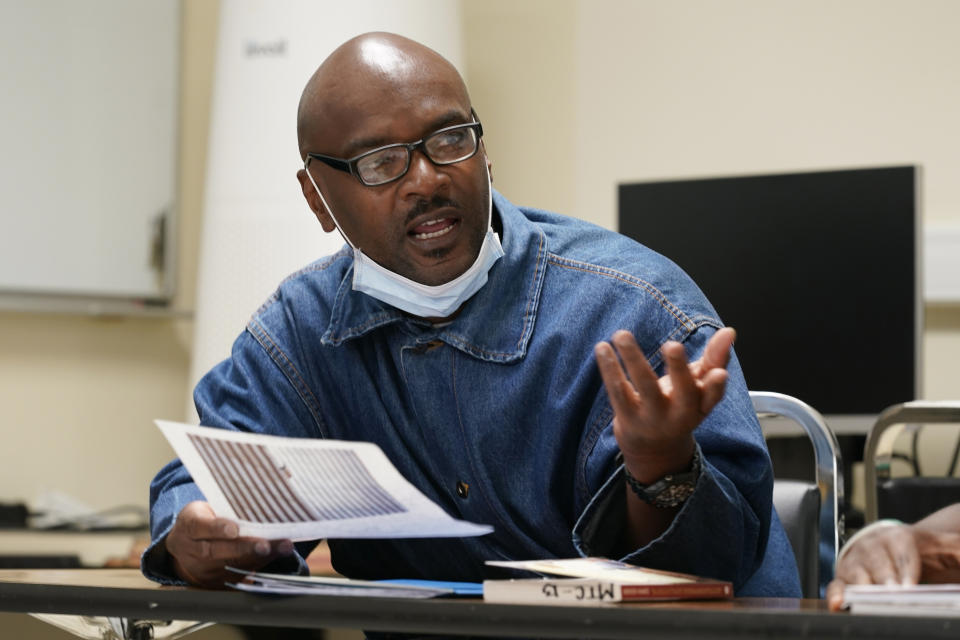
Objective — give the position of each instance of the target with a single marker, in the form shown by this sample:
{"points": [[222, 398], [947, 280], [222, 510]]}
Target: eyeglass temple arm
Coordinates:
{"points": [[336, 163]]}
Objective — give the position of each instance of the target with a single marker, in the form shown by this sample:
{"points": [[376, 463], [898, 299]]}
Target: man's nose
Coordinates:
{"points": [[423, 178]]}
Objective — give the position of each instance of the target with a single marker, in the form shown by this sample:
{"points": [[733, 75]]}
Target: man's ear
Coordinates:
{"points": [[313, 201]]}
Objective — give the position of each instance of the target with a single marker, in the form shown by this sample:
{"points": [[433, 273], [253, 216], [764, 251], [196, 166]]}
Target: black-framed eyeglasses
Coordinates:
{"points": [[391, 162]]}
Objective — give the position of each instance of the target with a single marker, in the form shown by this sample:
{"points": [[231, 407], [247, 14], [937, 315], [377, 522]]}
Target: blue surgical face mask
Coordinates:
{"points": [[423, 300]]}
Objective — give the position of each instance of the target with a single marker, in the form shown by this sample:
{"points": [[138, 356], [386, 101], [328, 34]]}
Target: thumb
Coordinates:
{"points": [[835, 594]]}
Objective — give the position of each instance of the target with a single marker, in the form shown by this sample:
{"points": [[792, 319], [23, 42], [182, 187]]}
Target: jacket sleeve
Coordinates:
{"points": [[722, 529], [246, 392]]}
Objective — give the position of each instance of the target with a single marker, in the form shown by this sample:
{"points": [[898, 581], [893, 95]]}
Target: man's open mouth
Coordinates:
{"points": [[434, 228]]}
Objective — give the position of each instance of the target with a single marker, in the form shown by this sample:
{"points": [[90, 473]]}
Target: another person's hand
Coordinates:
{"points": [[896, 554], [654, 418], [201, 545]]}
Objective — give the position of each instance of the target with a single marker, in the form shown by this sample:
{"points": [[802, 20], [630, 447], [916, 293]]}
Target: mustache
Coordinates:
{"points": [[425, 205]]}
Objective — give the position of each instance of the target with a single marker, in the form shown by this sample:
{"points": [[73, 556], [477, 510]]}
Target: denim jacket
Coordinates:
{"points": [[500, 416]]}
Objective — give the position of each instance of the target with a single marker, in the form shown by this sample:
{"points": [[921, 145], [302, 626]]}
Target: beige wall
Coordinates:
{"points": [[575, 95], [520, 62], [580, 95]]}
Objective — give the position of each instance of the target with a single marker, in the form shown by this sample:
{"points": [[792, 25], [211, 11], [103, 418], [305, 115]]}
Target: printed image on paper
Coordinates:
{"points": [[306, 489]]}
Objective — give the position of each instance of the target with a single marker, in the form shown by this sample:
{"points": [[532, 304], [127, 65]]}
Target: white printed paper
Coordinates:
{"points": [[306, 489], [282, 584], [919, 600], [597, 569]]}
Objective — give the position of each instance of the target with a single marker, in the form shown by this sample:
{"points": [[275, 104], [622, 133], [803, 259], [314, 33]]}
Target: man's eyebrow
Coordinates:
{"points": [[361, 145], [448, 119]]}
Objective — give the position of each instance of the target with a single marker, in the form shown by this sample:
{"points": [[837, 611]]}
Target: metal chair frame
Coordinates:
{"points": [[916, 412], [828, 472]]}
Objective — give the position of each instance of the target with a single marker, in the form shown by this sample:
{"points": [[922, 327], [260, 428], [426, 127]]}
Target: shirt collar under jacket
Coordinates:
{"points": [[494, 325]]}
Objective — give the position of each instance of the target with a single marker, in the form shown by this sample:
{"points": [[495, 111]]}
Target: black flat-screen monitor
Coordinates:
{"points": [[817, 271]]}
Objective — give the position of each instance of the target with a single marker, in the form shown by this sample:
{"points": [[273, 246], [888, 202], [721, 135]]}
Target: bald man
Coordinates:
{"points": [[523, 369]]}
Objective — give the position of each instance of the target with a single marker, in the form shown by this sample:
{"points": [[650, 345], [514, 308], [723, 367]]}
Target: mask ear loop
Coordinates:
{"points": [[486, 165]]}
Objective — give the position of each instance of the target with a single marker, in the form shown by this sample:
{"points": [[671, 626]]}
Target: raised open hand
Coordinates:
{"points": [[654, 418]]}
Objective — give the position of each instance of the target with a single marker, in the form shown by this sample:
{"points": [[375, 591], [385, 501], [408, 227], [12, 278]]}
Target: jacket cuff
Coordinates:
{"points": [[600, 526], [157, 565]]}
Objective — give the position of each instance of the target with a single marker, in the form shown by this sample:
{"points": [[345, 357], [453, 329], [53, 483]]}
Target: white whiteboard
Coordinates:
{"points": [[89, 135]]}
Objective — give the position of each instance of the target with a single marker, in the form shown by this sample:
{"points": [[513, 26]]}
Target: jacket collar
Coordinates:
{"points": [[494, 325]]}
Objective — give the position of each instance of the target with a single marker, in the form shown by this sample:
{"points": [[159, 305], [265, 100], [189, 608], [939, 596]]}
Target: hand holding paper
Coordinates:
{"points": [[201, 545], [300, 489]]}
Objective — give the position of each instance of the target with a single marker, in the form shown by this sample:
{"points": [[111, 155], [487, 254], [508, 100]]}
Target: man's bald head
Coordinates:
{"points": [[377, 90], [367, 73]]}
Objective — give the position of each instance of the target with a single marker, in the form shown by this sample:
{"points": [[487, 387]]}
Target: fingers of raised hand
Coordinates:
{"points": [[717, 353], [712, 387], [709, 373], [626, 395], [685, 391], [642, 376], [693, 394], [681, 398]]}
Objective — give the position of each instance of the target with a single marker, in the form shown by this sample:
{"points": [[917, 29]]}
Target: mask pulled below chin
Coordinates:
{"points": [[438, 301]]}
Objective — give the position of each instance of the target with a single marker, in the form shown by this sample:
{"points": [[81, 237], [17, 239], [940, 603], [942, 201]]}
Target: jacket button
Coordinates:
{"points": [[463, 489]]}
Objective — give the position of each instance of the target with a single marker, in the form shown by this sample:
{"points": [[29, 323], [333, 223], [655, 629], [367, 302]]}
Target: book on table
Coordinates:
{"points": [[592, 581], [896, 600]]}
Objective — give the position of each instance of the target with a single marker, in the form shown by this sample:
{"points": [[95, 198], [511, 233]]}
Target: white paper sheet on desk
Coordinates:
{"points": [[256, 582], [916, 600], [306, 489]]}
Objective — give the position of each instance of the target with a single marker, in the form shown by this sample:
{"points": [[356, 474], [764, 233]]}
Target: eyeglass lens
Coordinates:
{"points": [[443, 147]]}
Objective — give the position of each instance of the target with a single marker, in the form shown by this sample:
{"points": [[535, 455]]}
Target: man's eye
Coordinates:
{"points": [[384, 160], [448, 140]]}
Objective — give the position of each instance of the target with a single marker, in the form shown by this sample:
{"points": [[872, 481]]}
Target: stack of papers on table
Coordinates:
{"points": [[918, 600], [280, 584], [306, 489]]}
